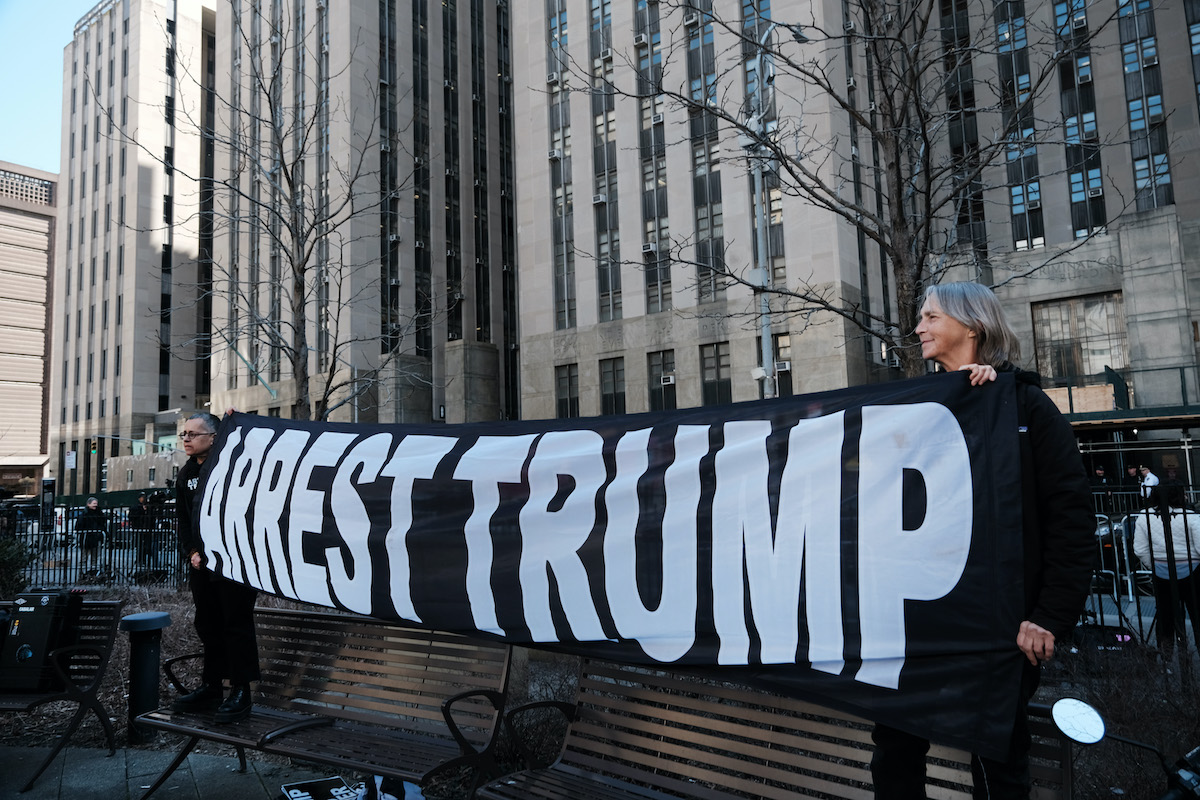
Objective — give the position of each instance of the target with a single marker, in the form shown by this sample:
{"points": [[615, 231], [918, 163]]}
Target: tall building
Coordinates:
{"points": [[129, 235], [636, 200], [28, 200], [362, 210]]}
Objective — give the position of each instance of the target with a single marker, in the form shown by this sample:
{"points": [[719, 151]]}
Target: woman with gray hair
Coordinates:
{"points": [[963, 328]]}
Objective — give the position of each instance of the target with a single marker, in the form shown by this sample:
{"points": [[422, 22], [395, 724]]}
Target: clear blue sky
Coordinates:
{"points": [[33, 34]]}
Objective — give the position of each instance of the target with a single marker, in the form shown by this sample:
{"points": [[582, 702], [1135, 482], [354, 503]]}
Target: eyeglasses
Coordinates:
{"points": [[187, 436]]}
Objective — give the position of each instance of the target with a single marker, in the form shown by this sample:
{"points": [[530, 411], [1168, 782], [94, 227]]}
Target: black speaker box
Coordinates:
{"points": [[40, 622]]}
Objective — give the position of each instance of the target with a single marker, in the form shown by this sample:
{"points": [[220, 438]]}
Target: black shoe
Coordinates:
{"points": [[206, 698], [236, 706]]}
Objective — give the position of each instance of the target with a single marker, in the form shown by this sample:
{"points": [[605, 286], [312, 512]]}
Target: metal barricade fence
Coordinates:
{"points": [[128, 554]]}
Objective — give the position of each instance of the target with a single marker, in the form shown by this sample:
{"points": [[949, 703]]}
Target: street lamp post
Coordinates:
{"points": [[755, 146]]}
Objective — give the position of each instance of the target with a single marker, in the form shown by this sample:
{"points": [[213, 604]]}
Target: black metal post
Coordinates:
{"points": [[145, 638]]}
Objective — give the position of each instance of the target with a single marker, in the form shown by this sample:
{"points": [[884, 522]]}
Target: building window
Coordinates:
{"points": [[566, 390], [612, 386], [660, 372], [715, 376], [782, 348], [1078, 337], [1028, 227]]}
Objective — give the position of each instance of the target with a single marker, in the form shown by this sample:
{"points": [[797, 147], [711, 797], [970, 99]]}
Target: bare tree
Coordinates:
{"points": [[915, 122], [296, 197]]}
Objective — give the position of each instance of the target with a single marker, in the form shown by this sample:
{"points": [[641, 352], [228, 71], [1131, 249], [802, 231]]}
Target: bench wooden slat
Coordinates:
{"points": [[644, 733]]}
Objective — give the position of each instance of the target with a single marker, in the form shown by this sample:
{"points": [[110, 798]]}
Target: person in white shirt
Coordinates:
{"points": [[1169, 517], [1149, 481]]}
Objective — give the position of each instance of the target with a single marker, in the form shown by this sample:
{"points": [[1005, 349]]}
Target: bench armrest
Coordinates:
{"points": [[292, 727], [568, 710], [497, 701], [169, 669]]}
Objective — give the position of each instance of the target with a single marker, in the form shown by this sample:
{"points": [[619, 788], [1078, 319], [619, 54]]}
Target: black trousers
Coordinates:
{"points": [[898, 765], [225, 623], [1169, 624]]}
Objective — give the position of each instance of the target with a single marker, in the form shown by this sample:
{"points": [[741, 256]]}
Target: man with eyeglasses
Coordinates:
{"points": [[224, 608]]}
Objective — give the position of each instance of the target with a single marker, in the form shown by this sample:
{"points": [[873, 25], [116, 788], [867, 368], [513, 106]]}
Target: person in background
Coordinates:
{"points": [[141, 526], [224, 608], [1149, 481], [963, 328], [1170, 517], [1101, 490], [1132, 481], [91, 528]]}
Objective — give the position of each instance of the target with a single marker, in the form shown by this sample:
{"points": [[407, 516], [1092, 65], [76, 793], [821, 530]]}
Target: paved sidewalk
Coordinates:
{"points": [[88, 774]]}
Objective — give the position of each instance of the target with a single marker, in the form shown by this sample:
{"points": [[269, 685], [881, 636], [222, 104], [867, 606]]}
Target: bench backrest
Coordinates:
{"points": [[365, 670], [97, 628], [684, 735]]}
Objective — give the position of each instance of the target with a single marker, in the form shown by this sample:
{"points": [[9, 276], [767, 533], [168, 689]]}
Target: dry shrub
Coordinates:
{"points": [[1141, 697]]}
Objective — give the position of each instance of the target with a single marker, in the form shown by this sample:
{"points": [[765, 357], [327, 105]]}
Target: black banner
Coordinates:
{"points": [[861, 548]]}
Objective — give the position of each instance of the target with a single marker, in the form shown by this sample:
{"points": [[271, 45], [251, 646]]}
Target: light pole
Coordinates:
{"points": [[755, 146]]}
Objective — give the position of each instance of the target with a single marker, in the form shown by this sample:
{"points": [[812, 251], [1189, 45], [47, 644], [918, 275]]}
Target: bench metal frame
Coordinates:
{"points": [[79, 673], [360, 694]]}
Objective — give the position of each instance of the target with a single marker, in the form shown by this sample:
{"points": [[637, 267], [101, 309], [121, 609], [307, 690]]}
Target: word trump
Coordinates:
{"points": [[729, 542]]}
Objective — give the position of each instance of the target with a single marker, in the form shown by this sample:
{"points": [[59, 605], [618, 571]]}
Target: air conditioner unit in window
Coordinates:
{"points": [[848, 26], [851, 83], [1150, 61], [666, 380], [324, 47], [1157, 116], [606, 54], [450, 173], [452, 336], [657, 119], [394, 282], [1095, 192], [783, 366], [554, 155], [691, 20], [419, 244], [1034, 205], [1085, 77], [394, 238], [552, 77], [447, 84], [649, 247], [1079, 22], [1091, 135], [640, 40], [599, 199], [385, 147], [451, 252]]}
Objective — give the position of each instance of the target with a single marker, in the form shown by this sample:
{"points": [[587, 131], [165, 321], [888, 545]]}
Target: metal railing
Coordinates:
{"points": [[126, 556]]}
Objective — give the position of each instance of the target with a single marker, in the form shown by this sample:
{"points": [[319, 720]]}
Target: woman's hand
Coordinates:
{"points": [[196, 560], [980, 373], [1035, 642]]}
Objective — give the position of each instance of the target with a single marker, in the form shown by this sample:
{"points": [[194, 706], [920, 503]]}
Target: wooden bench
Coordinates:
{"points": [[639, 733], [78, 674], [360, 694]]}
